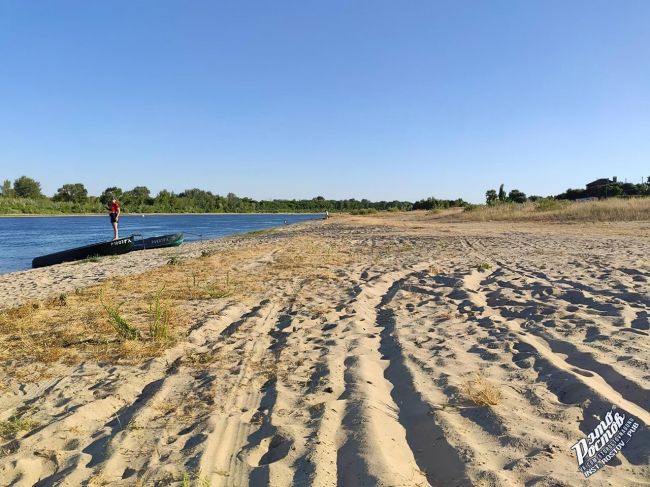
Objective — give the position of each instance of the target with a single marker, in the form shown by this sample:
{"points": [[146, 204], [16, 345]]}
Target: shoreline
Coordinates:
{"points": [[40, 283], [40, 215], [207, 240]]}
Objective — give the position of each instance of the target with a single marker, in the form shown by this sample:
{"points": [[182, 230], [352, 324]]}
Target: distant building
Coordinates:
{"points": [[601, 188], [599, 183]]}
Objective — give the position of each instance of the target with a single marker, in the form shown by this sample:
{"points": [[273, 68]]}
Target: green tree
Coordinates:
{"points": [[614, 189], [502, 194], [25, 187], [110, 193], [630, 189], [573, 194], [490, 196], [7, 190], [233, 202], [517, 196], [75, 193], [165, 201], [199, 199], [137, 196]]}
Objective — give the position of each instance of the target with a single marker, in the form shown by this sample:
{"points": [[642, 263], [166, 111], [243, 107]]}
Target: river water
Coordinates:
{"points": [[23, 238]]}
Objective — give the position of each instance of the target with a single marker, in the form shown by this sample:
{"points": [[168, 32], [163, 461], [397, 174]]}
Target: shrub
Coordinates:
{"points": [[363, 211], [548, 204]]}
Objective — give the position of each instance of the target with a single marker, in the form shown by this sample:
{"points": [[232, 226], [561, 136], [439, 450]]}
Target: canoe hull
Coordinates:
{"points": [[171, 240], [112, 247]]}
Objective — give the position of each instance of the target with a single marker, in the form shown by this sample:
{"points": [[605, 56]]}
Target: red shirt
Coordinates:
{"points": [[115, 207]]}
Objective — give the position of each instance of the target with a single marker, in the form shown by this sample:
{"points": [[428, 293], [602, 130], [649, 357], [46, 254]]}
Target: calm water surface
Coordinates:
{"points": [[22, 239]]}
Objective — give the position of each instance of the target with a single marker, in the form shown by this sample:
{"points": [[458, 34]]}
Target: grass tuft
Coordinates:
{"points": [[123, 328], [13, 426], [196, 289], [198, 359], [186, 480], [92, 258], [481, 392], [216, 292], [59, 301], [174, 260], [160, 318]]}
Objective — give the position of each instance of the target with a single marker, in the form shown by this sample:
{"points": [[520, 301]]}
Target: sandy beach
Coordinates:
{"points": [[393, 350]]}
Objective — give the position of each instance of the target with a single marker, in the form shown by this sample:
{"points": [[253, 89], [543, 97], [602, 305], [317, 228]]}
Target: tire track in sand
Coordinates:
{"points": [[375, 376]]}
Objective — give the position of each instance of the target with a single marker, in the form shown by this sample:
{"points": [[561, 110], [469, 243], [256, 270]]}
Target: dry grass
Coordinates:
{"points": [[202, 287], [134, 318], [479, 391], [613, 209]]}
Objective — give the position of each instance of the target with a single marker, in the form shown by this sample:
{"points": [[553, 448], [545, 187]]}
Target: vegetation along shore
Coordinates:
{"points": [[24, 196]]}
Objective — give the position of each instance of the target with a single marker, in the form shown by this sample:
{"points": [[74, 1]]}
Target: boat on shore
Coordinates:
{"points": [[112, 247], [171, 240]]}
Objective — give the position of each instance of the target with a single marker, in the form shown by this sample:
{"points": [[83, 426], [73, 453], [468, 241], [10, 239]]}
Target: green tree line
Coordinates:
{"points": [[606, 189], [25, 196], [514, 196]]}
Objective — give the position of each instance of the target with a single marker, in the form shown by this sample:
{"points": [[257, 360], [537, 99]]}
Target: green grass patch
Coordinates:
{"points": [[123, 328], [14, 425], [92, 258]]}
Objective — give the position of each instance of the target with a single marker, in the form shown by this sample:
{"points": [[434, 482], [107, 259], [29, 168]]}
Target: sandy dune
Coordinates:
{"points": [[359, 374]]}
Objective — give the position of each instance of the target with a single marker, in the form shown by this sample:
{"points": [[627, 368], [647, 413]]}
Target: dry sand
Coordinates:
{"points": [[358, 369]]}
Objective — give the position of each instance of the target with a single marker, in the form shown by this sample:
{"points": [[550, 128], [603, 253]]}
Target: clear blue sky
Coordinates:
{"points": [[376, 99]]}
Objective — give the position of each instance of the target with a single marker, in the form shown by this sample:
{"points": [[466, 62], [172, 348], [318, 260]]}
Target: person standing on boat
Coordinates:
{"points": [[114, 212]]}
